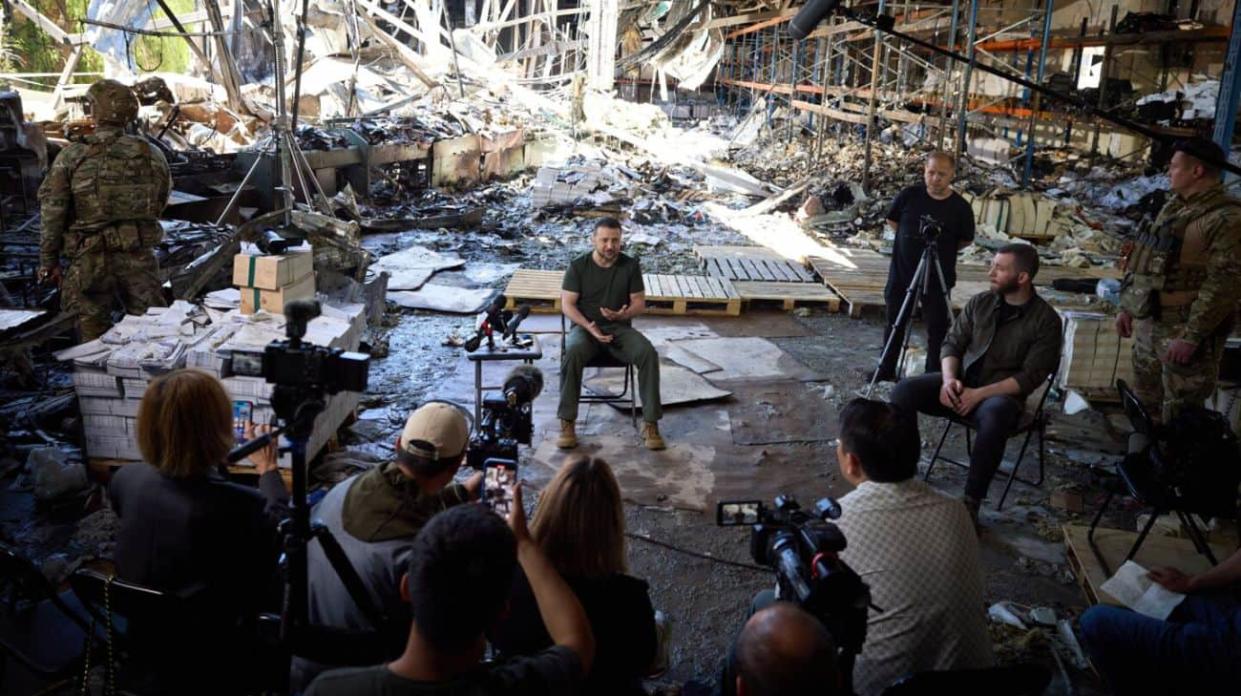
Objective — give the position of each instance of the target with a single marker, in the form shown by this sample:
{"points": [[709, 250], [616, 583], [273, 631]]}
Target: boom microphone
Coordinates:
{"points": [[809, 17]]}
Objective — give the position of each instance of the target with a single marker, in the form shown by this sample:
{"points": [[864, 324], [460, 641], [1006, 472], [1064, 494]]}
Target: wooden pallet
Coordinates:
{"points": [[665, 294], [751, 264], [1106, 395], [789, 295], [684, 294], [539, 289], [1114, 545], [860, 275]]}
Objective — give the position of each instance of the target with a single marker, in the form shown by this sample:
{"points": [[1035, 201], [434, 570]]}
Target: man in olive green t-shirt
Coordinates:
{"points": [[602, 291]]}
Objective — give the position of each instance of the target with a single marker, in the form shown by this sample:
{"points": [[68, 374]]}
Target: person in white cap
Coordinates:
{"points": [[375, 515]]}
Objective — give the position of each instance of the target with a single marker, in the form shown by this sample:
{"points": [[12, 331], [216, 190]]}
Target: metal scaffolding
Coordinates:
{"points": [[844, 75]]}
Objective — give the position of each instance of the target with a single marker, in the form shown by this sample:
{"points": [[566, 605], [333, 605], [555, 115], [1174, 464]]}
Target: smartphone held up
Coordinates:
{"points": [[499, 478]]}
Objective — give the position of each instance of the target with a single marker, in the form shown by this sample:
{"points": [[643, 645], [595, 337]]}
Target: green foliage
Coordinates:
{"points": [[164, 53], [26, 48]]}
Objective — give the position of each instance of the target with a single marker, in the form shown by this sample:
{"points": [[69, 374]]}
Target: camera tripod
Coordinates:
{"points": [[296, 406], [915, 294], [289, 163]]}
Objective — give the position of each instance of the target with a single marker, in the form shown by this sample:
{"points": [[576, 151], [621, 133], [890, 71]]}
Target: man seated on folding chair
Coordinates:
{"points": [[1001, 347], [601, 293]]}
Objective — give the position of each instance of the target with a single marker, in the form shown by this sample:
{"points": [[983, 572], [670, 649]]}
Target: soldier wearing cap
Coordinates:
{"points": [[1182, 283], [101, 202], [375, 515]]}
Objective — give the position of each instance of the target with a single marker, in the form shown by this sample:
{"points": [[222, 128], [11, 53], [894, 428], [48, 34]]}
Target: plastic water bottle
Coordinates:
{"points": [[1108, 290]]}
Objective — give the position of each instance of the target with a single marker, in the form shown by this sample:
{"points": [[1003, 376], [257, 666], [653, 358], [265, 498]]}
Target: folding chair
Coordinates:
{"points": [[1139, 480], [603, 360], [1033, 421]]}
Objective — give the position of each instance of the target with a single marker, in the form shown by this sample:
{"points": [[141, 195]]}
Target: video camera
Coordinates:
{"points": [[930, 228], [293, 363], [801, 546], [303, 375], [506, 420]]}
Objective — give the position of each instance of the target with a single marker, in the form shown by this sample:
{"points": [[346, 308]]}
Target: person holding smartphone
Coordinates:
{"points": [[580, 525], [375, 515], [187, 530], [457, 578]]}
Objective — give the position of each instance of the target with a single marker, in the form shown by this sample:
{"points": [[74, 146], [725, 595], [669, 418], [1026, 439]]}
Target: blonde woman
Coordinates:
{"points": [[579, 523]]}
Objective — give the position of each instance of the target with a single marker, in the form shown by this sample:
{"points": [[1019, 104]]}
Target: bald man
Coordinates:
{"points": [[933, 199], [784, 650]]}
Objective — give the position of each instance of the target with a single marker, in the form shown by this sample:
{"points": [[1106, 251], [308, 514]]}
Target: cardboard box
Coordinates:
{"points": [[254, 299], [271, 272]]}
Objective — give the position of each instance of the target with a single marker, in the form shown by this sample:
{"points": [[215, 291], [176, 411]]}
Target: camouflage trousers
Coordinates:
{"points": [[97, 278], [1165, 388]]}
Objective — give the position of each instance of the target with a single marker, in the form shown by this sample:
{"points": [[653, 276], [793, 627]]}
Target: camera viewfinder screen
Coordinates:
{"points": [[498, 488], [739, 513]]}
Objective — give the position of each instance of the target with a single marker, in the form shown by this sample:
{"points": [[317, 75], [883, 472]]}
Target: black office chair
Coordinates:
{"points": [[1033, 422], [604, 360], [41, 629]]}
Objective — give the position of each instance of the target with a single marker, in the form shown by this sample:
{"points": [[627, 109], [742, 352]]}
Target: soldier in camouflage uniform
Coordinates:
{"points": [[101, 202], [1181, 286]]}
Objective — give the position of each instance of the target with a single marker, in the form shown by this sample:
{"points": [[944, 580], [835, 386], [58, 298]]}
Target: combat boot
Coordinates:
{"points": [[568, 435], [651, 437]]}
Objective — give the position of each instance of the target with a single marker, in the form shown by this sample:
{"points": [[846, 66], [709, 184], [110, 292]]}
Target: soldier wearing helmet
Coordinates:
{"points": [[101, 202]]}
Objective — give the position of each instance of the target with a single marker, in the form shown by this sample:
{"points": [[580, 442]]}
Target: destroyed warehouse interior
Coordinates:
{"points": [[434, 173]]}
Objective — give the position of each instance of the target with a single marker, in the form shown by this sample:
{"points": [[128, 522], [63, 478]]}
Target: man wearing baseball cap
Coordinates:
{"points": [[375, 515]]}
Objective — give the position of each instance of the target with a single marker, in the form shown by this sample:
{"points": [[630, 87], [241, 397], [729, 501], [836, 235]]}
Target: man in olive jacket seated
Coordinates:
{"points": [[1002, 346]]}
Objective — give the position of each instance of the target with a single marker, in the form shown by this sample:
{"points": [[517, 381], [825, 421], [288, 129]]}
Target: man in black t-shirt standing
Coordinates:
{"points": [[936, 199]]}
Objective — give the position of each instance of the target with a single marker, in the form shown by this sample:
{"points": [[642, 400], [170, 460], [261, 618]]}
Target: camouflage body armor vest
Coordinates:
{"points": [[1168, 263], [116, 181]]}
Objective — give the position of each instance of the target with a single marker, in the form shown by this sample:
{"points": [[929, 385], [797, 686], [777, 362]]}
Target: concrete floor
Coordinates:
{"points": [[772, 435], [788, 401]]}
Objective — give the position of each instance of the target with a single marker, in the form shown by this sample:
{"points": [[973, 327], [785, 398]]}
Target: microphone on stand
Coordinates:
{"points": [[519, 316]]}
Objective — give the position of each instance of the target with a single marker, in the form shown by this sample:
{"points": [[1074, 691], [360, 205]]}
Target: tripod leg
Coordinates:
{"points": [[902, 318]]}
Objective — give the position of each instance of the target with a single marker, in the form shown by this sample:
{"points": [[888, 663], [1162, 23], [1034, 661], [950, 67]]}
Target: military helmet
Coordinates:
{"points": [[112, 103]]}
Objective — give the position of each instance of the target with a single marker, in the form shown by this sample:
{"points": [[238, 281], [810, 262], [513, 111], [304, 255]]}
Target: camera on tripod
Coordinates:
{"points": [[801, 546], [507, 420], [930, 228], [292, 363]]}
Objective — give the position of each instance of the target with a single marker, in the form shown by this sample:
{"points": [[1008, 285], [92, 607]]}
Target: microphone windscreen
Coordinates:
{"points": [[809, 17]]}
